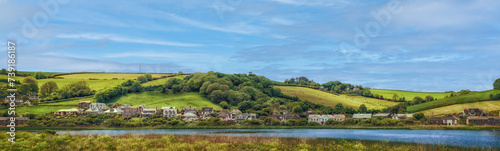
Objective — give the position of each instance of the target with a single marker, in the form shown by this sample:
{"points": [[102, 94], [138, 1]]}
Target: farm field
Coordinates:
{"points": [[329, 99], [409, 95], [100, 80], [468, 98], [49, 107], [156, 99], [457, 108], [161, 81]]}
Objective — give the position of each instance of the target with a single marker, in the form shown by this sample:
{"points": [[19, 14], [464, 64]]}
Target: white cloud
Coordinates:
{"points": [[98, 36]]}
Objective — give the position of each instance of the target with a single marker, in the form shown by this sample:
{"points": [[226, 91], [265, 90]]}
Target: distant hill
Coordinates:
{"points": [[409, 95], [457, 108], [461, 99], [328, 99]]}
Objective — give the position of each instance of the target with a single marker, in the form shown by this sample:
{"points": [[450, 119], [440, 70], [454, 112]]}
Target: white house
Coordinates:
{"points": [[169, 112]]}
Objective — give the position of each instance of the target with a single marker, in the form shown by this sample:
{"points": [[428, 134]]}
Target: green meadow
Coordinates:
{"points": [[409, 95], [457, 108], [468, 98], [156, 99], [328, 99]]}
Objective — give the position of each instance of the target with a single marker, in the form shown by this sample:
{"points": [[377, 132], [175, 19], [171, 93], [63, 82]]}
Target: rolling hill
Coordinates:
{"points": [[328, 99], [457, 108], [409, 95], [156, 99], [468, 98]]}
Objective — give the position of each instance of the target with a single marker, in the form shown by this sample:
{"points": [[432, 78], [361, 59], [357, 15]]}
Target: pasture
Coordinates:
{"points": [[461, 99], [457, 108], [157, 99], [409, 95], [328, 99]]}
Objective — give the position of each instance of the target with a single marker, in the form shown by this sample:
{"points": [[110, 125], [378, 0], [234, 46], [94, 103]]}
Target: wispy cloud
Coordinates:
{"points": [[116, 38]]}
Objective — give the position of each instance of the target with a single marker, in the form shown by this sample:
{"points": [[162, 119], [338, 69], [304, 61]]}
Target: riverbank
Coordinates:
{"points": [[46, 141], [270, 127]]}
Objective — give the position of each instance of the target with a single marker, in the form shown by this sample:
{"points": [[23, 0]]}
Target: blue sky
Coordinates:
{"points": [[407, 45]]}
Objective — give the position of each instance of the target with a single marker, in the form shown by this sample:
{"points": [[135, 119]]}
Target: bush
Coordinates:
{"points": [[253, 122]]}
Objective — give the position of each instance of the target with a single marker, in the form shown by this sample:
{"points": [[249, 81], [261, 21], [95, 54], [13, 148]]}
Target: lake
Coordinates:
{"points": [[483, 138]]}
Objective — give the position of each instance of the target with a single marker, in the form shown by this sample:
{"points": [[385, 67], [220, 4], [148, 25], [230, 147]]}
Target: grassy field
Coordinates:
{"points": [[409, 95], [49, 107], [161, 81], [156, 99], [329, 99], [469, 98], [457, 108], [100, 80]]}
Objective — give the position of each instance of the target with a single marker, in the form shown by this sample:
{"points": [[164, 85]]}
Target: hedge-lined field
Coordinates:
{"points": [[156, 99], [461, 99], [409, 95]]}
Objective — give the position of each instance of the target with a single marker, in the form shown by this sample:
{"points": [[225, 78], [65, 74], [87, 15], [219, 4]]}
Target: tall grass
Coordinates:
{"points": [[44, 141]]}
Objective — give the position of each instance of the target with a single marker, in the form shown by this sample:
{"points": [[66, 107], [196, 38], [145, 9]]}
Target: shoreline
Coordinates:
{"points": [[493, 128]]}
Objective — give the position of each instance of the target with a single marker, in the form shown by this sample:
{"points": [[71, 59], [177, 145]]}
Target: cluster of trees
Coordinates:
{"points": [[302, 81], [495, 97], [128, 86], [145, 78], [496, 84], [346, 88], [40, 75]]}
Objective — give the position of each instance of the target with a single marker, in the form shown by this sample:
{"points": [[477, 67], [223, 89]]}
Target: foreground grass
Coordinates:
{"points": [[457, 108], [409, 95], [328, 99], [44, 141], [156, 99], [462, 99]]}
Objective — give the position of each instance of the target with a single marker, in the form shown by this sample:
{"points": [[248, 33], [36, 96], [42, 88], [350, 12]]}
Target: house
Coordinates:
{"points": [[444, 120], [141, 107], [129, 111], [224, 115], [285, 117], [207, 110], [34, 97], [17, 101], [189, 116], [310, 112], [362, 116], [84, 104], [484, 120], [113, 111], [383, 115], [473, 112], [63, 112], [4, 121], [28, 102], [101, 106], [318, 118], [233, 113], [245, 116], [148, 112], [94, 110], [402, 116], [339, 117], [321, 88], [189, 110], [169, 112]]}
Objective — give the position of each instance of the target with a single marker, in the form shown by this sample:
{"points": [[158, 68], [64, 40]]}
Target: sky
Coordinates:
{"points": [[403, 44]]}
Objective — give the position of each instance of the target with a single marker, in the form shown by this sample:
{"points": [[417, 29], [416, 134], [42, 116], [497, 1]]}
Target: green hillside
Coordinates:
{"points": [[49, 107], [457, 108], [409, 95], [157, 99], [468, 98], [328, 99]]}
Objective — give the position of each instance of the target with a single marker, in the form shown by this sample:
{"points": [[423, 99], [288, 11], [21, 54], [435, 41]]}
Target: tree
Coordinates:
{"points": [[253, 122], [420, 116], [429, 98], [217, 96], [496, 84], [48, 88], [32, 83], [362, 108], [395, 97], [244, 106], [40, 75], [136, 87], [417, 100], [339, 108], [148, 76], [224, 105], [76, 89], [297, 109], [142, 79], [269, 121]]}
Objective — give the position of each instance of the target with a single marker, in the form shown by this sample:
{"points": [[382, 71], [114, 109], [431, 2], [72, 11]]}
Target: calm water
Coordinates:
{"points": [[447, 137]]}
